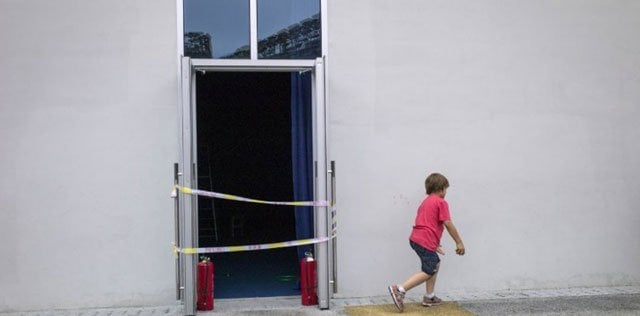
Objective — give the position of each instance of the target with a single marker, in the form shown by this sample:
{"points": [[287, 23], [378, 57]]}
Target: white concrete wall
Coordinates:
{"points": [[530, 108], [88, 93]]}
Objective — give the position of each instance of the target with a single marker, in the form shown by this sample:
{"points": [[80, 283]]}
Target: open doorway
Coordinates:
{"points": [[254, 140]]}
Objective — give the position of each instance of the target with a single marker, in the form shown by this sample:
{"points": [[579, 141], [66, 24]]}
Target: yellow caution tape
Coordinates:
{"points": [[190, 191], [292, 243]]}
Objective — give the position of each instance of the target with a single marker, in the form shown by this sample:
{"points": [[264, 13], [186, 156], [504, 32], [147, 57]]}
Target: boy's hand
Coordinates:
{"points": [[460, 249], [440, 250]]}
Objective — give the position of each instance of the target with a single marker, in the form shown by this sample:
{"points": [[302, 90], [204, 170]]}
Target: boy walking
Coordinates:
{"points": [[431, 219]]}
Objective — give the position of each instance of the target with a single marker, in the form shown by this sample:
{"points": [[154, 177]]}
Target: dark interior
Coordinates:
{"points": [[244, 148]]}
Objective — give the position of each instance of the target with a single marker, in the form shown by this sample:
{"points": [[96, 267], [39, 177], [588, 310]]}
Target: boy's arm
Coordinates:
{"points": [[456, 237]]}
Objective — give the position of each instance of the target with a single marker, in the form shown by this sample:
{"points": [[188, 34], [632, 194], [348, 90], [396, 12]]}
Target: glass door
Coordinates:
{"points": [[188, 212], [320, 156], [187, 208]]}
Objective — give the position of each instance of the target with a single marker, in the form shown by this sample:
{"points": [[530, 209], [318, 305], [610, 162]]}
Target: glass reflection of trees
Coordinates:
{"points": [[298, 41], [301, 40], [197, 45]]}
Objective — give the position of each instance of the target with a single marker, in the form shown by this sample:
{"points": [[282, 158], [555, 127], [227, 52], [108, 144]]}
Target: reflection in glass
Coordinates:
{"points": [[289, 29], [216, 28]]}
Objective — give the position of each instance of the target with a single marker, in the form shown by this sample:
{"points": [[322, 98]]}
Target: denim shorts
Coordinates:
{"points": [[428, 258]]}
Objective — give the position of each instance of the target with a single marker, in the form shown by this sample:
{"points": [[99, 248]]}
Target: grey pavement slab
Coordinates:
{"points": [[621, 304], [624, 300]]}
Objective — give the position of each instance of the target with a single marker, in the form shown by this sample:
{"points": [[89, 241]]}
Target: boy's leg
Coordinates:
{"points": [[415, 280], [429, 261], [431, 283], [430, 299], [397, 292]]}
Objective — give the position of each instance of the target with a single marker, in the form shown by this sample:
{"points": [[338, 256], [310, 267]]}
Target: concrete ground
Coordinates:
{"points": [[622, 304], [574, 301]]}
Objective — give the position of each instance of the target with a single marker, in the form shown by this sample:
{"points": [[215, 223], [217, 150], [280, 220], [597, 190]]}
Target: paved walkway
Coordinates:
{"points": [[574, 301], [625, 304]]}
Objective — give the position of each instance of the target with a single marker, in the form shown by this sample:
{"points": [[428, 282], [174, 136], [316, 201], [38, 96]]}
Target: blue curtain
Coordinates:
{"points": [[302, 155]]}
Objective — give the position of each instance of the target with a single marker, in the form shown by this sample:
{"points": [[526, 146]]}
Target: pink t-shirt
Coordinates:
{"points": [[432, 214]]}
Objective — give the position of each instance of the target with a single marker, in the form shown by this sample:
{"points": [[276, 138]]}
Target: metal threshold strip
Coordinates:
{"points": [[252, 65]]}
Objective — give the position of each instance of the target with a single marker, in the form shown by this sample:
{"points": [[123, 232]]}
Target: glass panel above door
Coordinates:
{"points": [[216, 29], [289, 29]]}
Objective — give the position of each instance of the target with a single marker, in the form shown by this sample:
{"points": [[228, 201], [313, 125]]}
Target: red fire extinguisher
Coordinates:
{"points": [[205, 284], [308, 285]]}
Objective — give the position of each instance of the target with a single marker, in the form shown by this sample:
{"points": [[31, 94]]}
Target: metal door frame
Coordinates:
{"points": [[188, 211]]}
